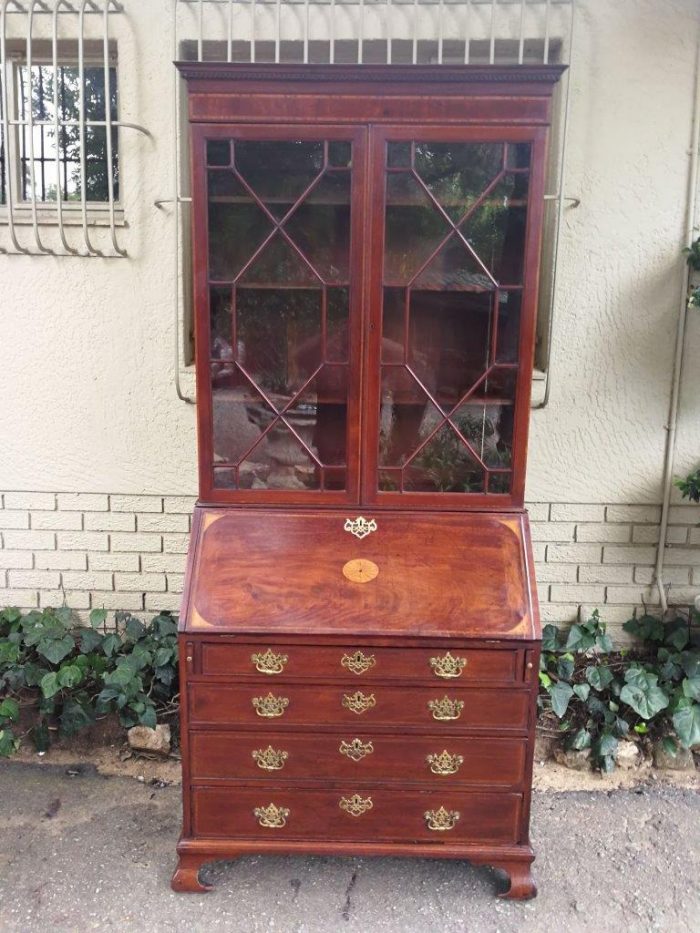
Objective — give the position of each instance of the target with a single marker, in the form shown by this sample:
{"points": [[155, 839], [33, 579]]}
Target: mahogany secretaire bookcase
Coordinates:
{"points": [[359, 634]]}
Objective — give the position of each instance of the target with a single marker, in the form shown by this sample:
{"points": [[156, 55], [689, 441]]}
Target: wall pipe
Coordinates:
{"points": [[670, 450]]}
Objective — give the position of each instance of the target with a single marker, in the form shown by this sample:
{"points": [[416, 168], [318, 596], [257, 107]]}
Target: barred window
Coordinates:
{"points": [[54, 165], [49, 137]]}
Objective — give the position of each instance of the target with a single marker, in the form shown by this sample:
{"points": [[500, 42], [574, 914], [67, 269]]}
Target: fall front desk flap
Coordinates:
{"points": [[377, 573]]}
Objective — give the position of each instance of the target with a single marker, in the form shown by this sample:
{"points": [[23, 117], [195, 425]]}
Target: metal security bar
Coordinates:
{"points": [[27, 26], [484, 32]]}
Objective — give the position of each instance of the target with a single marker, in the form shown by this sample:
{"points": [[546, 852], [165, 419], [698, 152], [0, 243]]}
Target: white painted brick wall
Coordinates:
{"points": [[129, 552]]}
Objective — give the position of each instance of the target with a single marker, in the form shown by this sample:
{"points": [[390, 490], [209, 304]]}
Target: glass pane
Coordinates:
{"points": [[450, 341], [279, 330], [414, 229], [279, 171], [320, 227], [454, 268], [239, 413], [337, 338], [279, 341], [458, 173], [489, 429], [221, 323], [496, 229], [339, 155], [279, 264], [518, 155], [508, 338], [398, 155], [279, 460], [235, 232], [407, 416], [218, 152], [500, 482], [394, 325], [444, 465]]}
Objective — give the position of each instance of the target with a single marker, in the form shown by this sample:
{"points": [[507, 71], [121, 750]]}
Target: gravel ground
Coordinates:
{"points": [[82, 851]]}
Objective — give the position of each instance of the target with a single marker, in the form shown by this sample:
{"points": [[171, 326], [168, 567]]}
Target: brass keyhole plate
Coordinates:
{"points": [[360, 570]]}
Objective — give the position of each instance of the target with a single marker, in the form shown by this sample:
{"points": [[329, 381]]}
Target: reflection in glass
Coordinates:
{"points": [[455, 230], [279, 326], [279, 172]]}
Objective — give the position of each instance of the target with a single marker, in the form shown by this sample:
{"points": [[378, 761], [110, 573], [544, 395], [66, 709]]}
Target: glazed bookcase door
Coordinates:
{"points": [[456, 220], [278, 277]]}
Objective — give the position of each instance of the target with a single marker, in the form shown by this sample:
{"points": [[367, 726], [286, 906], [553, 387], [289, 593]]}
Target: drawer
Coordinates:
{"points": [[349, 813], [358, 756], [361, 662], [267, 705]]}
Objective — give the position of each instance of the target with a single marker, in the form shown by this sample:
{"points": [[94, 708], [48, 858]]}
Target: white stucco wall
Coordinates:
{"points": [[86, 345]]}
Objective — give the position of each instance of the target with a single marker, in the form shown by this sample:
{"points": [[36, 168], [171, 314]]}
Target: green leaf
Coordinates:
{"points": [[677, 634], [98, 617], [162, 656], [8, 743], [148, 717], [579, 639], [599, 676], [646, 627], [70, 676], [581, 740], [75, 715], [9, 709], [690, 662], [166, 625], [90, 640], [686, 722], [11, 614], [565, 668], [606, 745], [669, 746], [582, 691], [111, 644], [55, 649], [642, 693], [691, 687], [560, 693], [641, 728], [50, 685], [545, 680], [135, 629], [550, 638]]}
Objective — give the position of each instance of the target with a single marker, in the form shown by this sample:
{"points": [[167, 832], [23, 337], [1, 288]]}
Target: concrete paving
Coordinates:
{"points": [[79, 851]]}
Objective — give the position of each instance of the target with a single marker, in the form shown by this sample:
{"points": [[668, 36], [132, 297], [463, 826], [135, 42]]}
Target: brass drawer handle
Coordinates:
{"points": [[355, 805], [269, 662], [447, 666], [357, 749], [441, 820], [358, 662], [446, 708], [270, 759], [445, 763], [270, 706], [358, 702], [272, 816], [360, 527]]}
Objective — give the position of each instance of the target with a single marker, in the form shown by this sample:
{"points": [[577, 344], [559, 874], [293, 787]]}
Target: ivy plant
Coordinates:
{"points": [[601, 696], [67, 676]]}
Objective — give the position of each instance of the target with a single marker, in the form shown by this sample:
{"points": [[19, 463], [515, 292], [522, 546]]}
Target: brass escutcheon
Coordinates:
{"points": [[270, 759], [355, 805], [270, 706], [358, 662], [446, 708], [269, 662], [360, 526], [357, 749], [445, 763], [441, 820], [447, 666], [272, 816], [358, 702]]}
